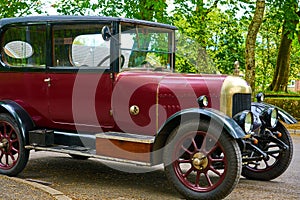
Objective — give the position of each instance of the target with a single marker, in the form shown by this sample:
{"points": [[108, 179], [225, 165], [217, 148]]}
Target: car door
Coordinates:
{"points": [[80, 80], [23, 67]]}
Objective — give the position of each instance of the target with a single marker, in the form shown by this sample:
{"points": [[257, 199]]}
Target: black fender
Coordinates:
{"points": [[203, 114], [257, 108], [21, 117]]}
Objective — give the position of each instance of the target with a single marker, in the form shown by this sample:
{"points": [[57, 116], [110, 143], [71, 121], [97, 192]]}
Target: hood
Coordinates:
{"points": [[149, 98]]}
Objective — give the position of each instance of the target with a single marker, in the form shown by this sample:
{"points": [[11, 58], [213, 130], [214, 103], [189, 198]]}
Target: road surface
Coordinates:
{"points": [[94, 179]]}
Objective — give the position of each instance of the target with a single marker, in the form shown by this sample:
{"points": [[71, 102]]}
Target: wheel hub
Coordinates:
{"points": [[200, 161], [4, 144]]}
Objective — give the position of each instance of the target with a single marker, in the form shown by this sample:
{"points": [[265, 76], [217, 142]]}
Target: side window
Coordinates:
{"points": [[80, 46], [24, 46]]}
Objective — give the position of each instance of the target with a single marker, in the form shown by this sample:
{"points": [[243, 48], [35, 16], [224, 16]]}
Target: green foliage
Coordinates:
{"points": [[191, 57], [17, 8], [74, 7], [219, 33], [138, 9], [267, 49], [211, 35]]}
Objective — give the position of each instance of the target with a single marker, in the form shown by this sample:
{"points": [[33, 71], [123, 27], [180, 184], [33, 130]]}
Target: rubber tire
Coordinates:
{"points": [[232, 151], [277, 168], [23, 153]]}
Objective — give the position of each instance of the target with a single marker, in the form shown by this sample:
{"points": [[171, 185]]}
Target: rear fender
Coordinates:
{"points": [[257, 108], [204, 115], [21, 117]]}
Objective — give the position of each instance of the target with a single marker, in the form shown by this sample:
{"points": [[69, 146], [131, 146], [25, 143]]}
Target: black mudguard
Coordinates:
{"points": [[21, 117], [284, 116]]}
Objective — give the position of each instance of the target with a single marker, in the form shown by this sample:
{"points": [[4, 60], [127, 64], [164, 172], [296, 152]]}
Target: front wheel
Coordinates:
{"points": [[277, 161], [202, 161], [13, 155]]}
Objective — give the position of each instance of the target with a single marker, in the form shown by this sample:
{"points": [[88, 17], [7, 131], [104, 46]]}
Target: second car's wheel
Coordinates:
{"points": [[13, 155], [202, 161], [278, 158]]}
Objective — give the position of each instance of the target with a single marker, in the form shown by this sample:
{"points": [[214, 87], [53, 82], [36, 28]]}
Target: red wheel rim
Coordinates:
{"points": [[200, 161], [9, 146]]}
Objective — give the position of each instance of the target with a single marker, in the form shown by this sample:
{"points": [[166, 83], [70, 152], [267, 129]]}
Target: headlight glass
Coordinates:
{"points": [[245, 120], [270, 117], [274, 118], [248, 124]]}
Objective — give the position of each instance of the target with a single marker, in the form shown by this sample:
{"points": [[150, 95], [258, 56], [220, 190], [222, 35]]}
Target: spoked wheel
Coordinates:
{"points": [[202, 164], [278, 158], [13, 155]]}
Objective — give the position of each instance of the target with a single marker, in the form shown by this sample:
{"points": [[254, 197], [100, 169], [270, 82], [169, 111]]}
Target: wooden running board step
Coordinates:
{"points": [[125, 146]]}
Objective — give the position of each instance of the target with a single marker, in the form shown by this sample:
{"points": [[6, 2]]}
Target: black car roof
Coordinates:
{"points": [[69, 18]]}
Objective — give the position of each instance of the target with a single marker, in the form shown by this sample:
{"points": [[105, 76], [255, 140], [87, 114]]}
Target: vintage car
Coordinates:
{"points": [[106, 88]]}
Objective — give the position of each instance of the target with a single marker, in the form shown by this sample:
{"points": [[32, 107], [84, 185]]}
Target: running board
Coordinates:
{"points": [[125, 146], [84, 152]]}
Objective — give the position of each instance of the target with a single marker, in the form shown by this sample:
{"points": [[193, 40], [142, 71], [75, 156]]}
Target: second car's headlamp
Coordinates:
{"points": [[245, 120], [270, 117], [260, 97]]}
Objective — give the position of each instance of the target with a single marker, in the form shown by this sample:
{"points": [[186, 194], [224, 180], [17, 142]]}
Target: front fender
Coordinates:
{"points": [[21, 117], [207, 115], [257, 108]]}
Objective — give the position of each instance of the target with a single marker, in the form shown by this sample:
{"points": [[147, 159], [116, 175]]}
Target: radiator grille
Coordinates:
{"points": [[241, 102]]}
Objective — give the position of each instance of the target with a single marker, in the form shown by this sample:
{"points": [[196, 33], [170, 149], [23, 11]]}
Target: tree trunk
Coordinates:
{"points": [[281, 73], [282, 70], [251, 40]]}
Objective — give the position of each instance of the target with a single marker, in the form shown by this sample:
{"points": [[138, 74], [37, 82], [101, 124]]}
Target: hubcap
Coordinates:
{"points": [[4, 144], [199, 161]]}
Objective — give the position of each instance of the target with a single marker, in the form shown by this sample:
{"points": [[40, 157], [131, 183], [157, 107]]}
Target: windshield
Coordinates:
{"points": [[147, 48]]}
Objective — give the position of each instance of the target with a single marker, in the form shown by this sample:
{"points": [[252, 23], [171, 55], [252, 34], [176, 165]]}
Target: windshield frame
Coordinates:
{"points": [[116, 42]]}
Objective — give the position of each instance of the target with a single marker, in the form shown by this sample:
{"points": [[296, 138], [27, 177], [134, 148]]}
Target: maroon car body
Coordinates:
{"points": [[106, 87]]}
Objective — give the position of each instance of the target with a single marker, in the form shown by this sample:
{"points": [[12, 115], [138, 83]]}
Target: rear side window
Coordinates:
{"points": [[24, 46], [80, 45]]}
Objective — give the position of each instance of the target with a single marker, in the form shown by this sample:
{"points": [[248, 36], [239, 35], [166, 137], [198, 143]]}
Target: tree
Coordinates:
{"points": [[290, 16], [266, 50], [138, 9], [17, 8], [227, 44], [192, 20], [251, 42]]}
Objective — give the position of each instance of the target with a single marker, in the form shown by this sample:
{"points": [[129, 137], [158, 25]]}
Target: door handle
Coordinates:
{"points": [[48, 80]]}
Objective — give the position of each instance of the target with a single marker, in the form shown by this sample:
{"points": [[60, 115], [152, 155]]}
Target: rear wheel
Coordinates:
{"points": [[202, 163], [277, 161], [13, 155]]}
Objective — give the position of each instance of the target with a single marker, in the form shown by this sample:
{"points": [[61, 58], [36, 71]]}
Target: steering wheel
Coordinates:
{"points": [[146, 64], [107, 57]]}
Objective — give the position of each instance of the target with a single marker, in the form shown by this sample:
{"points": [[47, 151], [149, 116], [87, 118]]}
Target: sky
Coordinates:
{"points": [[49, 8]]}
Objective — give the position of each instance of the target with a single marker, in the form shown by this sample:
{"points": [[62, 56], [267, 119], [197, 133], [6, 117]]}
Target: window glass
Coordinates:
{"points": [[80, 45], [146, 47], [18, 49], [25, 46]]}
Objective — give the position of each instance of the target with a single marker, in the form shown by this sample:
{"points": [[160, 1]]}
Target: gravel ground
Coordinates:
{"points": [[95, 180], [12, 190], [92, 179]]}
